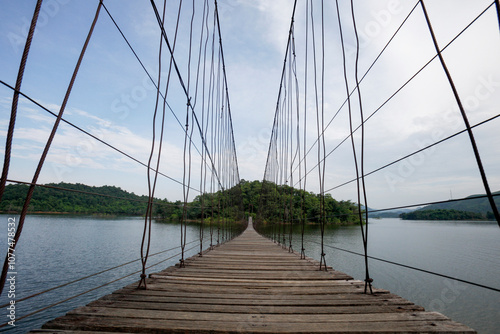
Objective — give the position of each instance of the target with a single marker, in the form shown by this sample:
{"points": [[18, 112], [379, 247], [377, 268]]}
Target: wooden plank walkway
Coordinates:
{"points": [[251, 285]]}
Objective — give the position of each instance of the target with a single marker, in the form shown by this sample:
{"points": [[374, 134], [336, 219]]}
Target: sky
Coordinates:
{"points": [[113, 99]]}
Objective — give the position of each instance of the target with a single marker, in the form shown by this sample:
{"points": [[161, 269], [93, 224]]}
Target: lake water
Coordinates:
{"points": [[57, 249]]}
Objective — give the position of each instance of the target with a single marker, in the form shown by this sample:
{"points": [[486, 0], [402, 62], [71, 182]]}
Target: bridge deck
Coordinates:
{"points": [[251, 285]]}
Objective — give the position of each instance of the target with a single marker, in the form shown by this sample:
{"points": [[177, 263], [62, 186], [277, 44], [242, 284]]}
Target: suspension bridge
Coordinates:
{"points": [[248, 283], [251, 284]]}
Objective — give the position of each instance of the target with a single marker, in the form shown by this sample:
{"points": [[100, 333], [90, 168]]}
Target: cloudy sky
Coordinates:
{"points": [[114, 100]]}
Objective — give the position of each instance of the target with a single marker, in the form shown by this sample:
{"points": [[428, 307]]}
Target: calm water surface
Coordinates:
{"points": [[466, 250], [57, 249]]}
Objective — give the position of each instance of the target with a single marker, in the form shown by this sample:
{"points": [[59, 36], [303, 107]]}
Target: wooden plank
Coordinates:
{"points": [[287, 275], [343, 300], [269, 318], [383, 307], [67, 331], [218, 295], [260, 290], [250, 282], [148, 325]]}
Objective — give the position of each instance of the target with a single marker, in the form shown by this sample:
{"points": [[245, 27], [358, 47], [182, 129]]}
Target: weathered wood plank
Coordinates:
{"points": [[287, 275], [297, 290], [67, 331], [269, 318], [343, 300], [148, 325], [383, 307], [219, 295]]}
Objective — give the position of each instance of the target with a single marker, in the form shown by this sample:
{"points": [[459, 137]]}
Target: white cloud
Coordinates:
{"points": [[273, 21]]}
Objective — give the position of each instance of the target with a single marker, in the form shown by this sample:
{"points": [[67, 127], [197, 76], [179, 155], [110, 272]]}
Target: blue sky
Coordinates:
{"points": [[114, 100]]}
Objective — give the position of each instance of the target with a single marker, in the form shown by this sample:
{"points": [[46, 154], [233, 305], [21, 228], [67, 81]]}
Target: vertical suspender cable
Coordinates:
{"points": [[318, 128], [216, 13], [187, 146], [213, 137], [146, 236], [203, 165], [364, 234], [464, 116], [272, 154], [181, 81], [47, 146], [323, 144], [304, 214], [497, 5], [351, 134], [297, 155]]}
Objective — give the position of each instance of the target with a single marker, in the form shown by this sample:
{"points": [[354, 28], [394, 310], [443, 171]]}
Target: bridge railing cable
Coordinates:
{"points": [[412, 268], [89, 276], [94, 288]]}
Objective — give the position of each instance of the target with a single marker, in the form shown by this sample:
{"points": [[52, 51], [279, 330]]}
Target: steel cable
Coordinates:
{"points": [[88, 276], [15, 100], [414, 268], [418, 151], [364, 231], [464, 116], [90, 290]]}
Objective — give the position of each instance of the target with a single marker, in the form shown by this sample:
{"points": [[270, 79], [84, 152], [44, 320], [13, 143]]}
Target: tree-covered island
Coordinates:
{"points": [[262, 200]]}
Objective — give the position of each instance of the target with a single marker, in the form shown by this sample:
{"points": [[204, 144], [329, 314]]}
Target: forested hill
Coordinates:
{"points": [[275, 201], [266, 202], [441, 214], [81, 201], [472, 208], [471, 204]]}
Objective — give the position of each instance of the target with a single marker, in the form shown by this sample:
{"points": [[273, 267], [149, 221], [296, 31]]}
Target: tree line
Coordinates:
{"points": [[77, 199], [443, 214], [279, 203], [264, 201]]}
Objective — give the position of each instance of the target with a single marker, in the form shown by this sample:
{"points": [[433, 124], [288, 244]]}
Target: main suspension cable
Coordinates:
{"points": [[15, 100], [464, 116]]}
